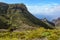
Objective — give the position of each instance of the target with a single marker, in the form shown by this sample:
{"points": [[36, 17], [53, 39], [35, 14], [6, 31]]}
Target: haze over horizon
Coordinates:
{"points": [[40, 8]]}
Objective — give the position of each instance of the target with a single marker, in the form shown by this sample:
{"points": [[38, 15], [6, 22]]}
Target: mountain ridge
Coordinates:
{"points": [[17, 15], [56, 21]]}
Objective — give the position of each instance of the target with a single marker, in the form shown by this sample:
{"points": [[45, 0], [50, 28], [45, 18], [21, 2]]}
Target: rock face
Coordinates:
{"points": [[18, 16], [57, 21], [3, 7]]}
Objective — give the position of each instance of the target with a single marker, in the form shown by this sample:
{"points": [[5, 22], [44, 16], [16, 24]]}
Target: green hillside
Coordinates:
{"points": [[17, 16]]}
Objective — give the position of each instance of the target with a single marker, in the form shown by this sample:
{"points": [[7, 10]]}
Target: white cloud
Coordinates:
{"points": [[51, 11], [47, 9]]}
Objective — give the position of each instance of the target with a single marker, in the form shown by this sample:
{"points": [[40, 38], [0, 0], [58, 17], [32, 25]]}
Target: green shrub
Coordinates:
{"points": [[31, 34]]}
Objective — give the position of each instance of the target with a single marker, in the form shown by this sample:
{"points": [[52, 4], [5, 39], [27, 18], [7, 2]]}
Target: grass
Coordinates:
{"points": [[39, 33]]}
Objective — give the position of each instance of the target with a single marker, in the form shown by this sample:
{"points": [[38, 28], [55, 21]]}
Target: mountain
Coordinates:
{"points": [[48, 22], [57, 21], [17, 16]]}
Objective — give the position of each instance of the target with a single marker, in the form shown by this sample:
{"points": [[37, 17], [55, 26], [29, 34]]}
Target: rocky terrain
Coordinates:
{"points": [[57, 22], [17, 16]]}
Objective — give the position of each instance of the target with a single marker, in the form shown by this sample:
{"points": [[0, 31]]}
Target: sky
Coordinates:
{"points": [[40, 8]]}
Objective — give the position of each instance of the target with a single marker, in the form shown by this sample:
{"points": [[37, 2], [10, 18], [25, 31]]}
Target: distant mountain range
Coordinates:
{"points": [[17, 16]]}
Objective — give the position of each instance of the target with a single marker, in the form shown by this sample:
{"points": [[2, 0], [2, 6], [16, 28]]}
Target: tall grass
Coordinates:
{"points": [[39, 33]]}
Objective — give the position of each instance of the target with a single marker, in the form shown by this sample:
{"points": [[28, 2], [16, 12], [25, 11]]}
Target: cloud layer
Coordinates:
{"points": [[47, 10]]}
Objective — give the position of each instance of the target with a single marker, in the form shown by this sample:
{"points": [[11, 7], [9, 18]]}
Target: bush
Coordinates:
{"points": [[38, 33]]}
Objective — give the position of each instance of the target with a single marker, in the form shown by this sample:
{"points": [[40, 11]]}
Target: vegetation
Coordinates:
{"points": [[17, 17], [39, 33]]}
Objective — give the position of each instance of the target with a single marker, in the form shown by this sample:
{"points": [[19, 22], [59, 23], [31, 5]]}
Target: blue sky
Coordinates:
{"points": [[40, 8], [31, 2]]}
